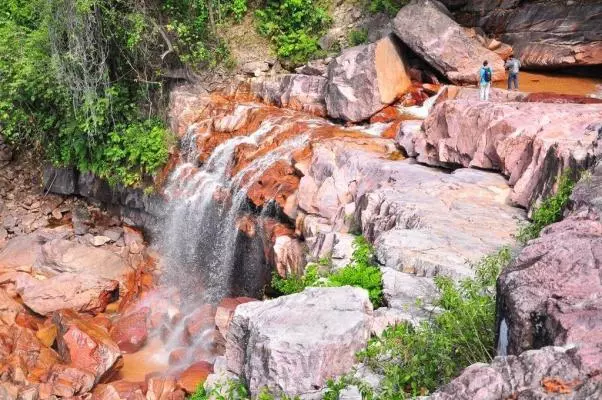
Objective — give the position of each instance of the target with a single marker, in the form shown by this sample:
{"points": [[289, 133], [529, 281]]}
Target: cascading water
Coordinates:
{"points": [[201, 243], [502, 346]]}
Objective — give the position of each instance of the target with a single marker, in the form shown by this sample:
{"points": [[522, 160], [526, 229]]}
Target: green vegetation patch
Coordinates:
{"points": [[294, 26], [550, 210], [417, 360], [357, 37], [362, 272]]}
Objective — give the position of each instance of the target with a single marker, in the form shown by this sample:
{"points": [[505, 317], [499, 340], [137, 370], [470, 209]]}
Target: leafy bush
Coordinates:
{"points": [[361, 272], [294, 26], [390, 7], [357, 37], [417, 360], [549, 211], [295, 284], [233, 390]]}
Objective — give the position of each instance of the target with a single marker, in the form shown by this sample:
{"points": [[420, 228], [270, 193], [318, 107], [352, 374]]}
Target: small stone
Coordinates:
{"points": [[57, 214], [47, 335], [100, 240]]}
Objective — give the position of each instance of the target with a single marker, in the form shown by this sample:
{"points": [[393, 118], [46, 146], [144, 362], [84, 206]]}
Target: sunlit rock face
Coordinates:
{"points": [[550, 34], [327, 326], [364, 79], [506, 137], [427, 28]]}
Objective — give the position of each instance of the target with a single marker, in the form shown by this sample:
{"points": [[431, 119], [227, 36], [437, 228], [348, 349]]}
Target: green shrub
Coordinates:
{"points": [[417, 360], [361, 272], [357, 37], [549, 211], [390, 7], [234, 390], [295, 284], [294, 26]]}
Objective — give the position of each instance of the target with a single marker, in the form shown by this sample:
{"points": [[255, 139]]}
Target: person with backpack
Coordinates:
{"points": [[485, 74], [512, 66]]}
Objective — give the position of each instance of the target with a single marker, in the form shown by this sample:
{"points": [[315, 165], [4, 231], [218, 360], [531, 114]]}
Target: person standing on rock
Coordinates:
{"points": [[485, 74], [512, 66]]}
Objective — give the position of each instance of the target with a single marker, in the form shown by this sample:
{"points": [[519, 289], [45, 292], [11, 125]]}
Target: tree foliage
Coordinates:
{"points": [[294, 26]]}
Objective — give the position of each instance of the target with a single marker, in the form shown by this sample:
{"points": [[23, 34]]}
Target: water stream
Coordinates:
{"points": [[201, 243]]}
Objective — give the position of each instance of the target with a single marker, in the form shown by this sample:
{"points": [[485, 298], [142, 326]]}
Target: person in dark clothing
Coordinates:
{"points": [[512, 66]]}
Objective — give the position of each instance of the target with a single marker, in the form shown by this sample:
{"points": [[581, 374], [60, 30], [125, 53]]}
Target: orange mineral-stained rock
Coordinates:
{"points": [[194, 375], [163, 388], [130, 331], [277, 183], [200, 319], [86, 346], [67, 381], [119, 390], [47, 335]]}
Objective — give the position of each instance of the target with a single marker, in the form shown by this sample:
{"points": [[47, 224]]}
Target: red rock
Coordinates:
{"points": [[81, 292], [177, 355], [26, 320], [23, 343], [194, 375], [130, 332], [560, 98], [387, 114], [103, 321], [118, 390], [277, 182], [68, 381], [163, 388], [9, 308], [225, 311], [86, 346], [200, 319]]}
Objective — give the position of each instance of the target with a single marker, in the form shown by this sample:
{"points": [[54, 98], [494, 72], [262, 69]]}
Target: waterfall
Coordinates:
{"points": [[201, 244], [502, 345]]}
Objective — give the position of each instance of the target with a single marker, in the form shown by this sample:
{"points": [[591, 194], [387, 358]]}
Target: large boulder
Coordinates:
{"points": [[429, 30], [551, 293], [421, 220], [81, 292], [365, 79], [295, 343], [20, 253], [549, 373], [531, 151], [86, 346], [549, 34], [59, 256], [130, 331]]}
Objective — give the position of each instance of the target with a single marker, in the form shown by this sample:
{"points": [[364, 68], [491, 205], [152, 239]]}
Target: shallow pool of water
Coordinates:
{"points": [[151, 358], [555, 83]]}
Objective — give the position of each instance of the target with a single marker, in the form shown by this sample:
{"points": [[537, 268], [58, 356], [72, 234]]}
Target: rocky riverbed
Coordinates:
{"points": [[115, 293]]}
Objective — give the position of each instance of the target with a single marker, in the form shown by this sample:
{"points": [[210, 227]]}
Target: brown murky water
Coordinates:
{"points": [[547, 82], [151, 358]]}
